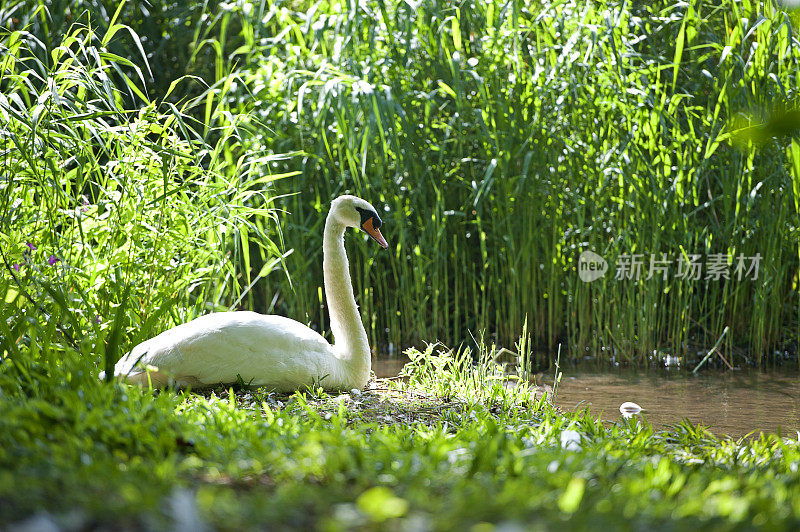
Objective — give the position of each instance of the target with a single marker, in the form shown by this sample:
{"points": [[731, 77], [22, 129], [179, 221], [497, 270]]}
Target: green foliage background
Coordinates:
{"points": [[506, 137], [503, 139], [120, 215]]}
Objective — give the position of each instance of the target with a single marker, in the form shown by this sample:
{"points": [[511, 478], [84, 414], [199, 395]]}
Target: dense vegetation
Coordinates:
{"points": [[507, 137], [119, 214], [161, 161], [503, 139]]}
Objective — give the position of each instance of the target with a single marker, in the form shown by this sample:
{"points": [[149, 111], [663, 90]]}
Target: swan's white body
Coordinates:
{"points": [[271, 351]]}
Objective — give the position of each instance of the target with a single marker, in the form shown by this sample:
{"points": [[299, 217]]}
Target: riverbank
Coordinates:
{"points": [[444, 448], [735, 403]]}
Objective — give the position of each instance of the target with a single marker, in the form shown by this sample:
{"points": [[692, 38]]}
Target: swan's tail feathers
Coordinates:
{"points": [[147, 377], [136, 376], [133, 369]]}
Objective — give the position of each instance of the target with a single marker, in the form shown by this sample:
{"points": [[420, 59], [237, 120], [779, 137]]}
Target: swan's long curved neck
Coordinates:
{"points": [[350, 339]]}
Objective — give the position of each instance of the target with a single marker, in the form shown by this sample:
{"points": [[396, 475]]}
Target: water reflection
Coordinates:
{"points": [[385, 368], [732, 403]]}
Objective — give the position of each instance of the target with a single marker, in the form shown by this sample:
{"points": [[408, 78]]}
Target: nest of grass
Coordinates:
{"points": [[383, 401]]}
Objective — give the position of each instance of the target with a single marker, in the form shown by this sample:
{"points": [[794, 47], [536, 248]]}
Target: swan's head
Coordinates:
{"points": [[355, 212]]}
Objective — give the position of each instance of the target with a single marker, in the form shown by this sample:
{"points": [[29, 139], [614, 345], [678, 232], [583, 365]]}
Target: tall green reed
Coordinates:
{"points": [[167, 40], [117, 221], [506, 138]]}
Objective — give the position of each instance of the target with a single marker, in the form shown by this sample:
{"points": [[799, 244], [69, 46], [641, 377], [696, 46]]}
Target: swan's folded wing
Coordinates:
{"points": [[261, 350], [225, 347]]}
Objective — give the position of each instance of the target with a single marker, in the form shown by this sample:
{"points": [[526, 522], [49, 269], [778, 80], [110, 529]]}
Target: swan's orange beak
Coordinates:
{"points": [[374, 232]]}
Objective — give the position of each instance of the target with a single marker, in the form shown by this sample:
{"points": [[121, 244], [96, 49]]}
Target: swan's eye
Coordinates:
{"points": [[371, 216]]}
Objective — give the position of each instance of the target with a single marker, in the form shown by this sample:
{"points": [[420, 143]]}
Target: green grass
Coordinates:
{"points": [[110, 455]]}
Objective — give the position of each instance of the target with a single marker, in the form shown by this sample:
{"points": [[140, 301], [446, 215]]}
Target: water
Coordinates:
{"points": [[732, 403]]}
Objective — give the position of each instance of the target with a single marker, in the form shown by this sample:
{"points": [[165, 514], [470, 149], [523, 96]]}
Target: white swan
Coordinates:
{"points": [[271, 351]]}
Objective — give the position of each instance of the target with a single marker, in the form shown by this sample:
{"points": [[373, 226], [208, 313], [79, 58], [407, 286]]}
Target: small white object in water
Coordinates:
{"points": [[628, 409], [571, 440]]}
